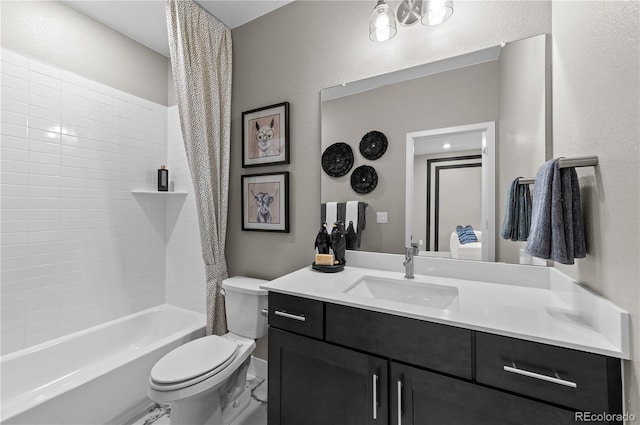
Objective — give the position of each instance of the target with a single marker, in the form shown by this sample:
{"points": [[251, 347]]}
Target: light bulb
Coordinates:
{"points": [[382, 25], [435, 12]]}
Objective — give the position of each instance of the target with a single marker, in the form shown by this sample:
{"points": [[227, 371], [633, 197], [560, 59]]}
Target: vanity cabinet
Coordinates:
{"points": [[421, 397], [333, 364], [315, 383]]}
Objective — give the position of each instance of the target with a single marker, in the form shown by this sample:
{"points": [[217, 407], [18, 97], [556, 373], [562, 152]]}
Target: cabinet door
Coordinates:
{"points": [[315, 383], [419, 397]]}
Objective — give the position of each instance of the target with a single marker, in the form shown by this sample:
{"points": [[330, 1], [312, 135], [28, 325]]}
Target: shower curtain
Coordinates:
{"points": [[200, 47]]}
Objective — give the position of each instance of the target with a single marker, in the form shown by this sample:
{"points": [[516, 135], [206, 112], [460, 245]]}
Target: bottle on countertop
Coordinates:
{"points": [[323, 240], [323, 247], [352, 237], [338, 243], [163, 179]]}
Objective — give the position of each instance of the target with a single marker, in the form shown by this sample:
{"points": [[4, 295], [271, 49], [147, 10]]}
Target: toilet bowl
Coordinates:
{"points": [[204, 379]]}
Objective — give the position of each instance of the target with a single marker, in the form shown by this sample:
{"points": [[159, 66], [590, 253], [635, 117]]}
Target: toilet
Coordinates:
{"points": [[204, 379]]}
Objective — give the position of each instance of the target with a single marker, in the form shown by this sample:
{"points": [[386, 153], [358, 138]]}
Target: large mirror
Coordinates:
{"points": [[458, 131]]}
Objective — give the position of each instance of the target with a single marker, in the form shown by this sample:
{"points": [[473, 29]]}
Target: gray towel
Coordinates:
{"points": [[557, 229], [517, 214], [342, 216]]}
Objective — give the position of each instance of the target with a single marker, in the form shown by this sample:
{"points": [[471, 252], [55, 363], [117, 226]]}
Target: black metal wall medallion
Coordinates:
{"points": [[364, 179], [373, 145], [337, 159]]}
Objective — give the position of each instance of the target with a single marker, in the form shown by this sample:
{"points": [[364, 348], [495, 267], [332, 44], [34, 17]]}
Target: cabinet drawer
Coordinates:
{"points": [[419, 397], [437, 347], [579, 380], [299, 315]]}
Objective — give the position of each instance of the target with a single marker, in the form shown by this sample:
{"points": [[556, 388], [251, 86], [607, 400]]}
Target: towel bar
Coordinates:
{"points": [[526, 180], [578, 161]]}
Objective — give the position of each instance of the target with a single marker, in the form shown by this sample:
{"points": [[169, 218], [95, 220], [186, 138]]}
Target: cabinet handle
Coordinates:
{"points": [[375, 397], [299, 317], [399, 402], [514, 369]]}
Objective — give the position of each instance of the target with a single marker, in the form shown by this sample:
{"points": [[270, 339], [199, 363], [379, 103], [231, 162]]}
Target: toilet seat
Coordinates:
{"points": [[192, 363]]}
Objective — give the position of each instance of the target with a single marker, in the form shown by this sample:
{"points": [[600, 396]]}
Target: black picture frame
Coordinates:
{"points": [[265, 202], [265, 136]]}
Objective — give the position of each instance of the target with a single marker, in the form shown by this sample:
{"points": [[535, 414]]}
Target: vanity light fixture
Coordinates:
{"points": [[382, 25], [435, 12]]}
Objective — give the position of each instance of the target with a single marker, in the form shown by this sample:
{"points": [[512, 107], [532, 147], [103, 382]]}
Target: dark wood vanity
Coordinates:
{"points": [[339, 365]]}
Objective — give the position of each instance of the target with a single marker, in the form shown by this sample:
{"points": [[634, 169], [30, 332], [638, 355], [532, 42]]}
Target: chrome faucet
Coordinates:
{"points": [[408, 260]]}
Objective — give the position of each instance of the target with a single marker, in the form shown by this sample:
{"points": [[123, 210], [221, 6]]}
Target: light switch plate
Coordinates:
{"points": [[381, 217]]}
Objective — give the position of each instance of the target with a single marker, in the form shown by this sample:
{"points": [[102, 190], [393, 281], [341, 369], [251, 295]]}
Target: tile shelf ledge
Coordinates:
{"points": [[155, 192]]}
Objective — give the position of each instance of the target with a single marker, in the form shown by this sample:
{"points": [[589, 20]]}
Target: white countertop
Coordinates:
{"points": [[554, 310]]}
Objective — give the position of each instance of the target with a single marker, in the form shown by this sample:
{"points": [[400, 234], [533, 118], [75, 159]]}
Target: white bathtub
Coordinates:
{"points": [[95, 376]]}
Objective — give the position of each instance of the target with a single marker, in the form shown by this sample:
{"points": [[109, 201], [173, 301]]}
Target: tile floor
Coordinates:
{"points": [[255, 414]]}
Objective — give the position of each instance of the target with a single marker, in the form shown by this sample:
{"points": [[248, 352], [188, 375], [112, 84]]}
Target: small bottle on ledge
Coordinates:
{"points": [[163, 179]]}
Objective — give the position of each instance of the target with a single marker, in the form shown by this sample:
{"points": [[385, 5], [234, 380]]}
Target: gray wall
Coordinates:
{"points": [[457, 97], [57, 34], [522, 130], [286, 56], [596, 92]]}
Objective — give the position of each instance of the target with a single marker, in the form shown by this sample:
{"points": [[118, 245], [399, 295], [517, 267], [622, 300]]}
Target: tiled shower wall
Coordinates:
{"points": [[78, 248]]}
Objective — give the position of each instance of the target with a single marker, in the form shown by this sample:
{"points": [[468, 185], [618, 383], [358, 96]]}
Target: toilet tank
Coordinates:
{"points": [[244, 302]]}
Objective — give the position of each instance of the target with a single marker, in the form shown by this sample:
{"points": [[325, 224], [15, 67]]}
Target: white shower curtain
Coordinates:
{"points": [[200, 48]]}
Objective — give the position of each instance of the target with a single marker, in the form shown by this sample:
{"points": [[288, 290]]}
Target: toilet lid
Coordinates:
{"points": [[193, 362]]}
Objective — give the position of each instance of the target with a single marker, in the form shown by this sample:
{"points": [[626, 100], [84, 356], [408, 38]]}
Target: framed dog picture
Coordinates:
{"points": [[265, 136], [265, 202]]}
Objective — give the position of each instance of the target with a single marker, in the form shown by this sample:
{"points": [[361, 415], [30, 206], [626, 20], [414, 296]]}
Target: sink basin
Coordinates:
{"points": [[404, 291]]}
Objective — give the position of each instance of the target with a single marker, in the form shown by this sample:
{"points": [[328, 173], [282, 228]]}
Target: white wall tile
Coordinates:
{"points": [[12, 190], [15, 142], [77, 247], [43, 79], [14, 130], [13, 311], [54, 114], [44, 158], [44, 124], [14, 178], [16, 107], [49, 146], [74, 95], [44, 90], [12, 340], [15, 70], [11, 154], [14, 82], [15, 95], [15, 119], [9, 56]]}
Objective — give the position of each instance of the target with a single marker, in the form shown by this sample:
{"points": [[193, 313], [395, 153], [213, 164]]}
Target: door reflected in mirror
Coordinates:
{"points": [[447, 188]]}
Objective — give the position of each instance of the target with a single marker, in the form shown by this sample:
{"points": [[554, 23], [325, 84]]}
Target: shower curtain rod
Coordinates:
{"points": [[578, 161]]}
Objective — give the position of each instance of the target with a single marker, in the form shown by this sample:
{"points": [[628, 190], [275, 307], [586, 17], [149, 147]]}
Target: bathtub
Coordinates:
{"points": [[95, 376]]}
